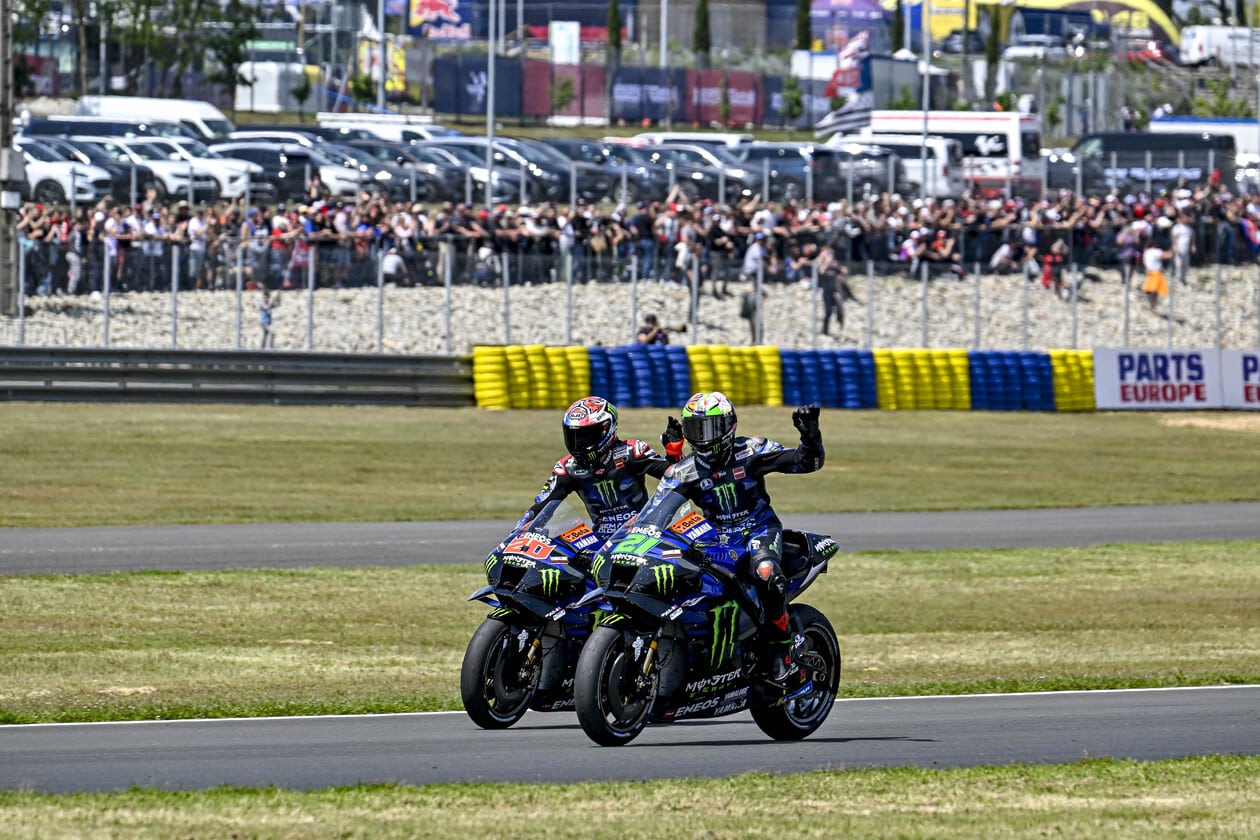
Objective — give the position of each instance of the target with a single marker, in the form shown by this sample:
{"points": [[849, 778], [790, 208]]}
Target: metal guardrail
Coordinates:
{"points": [[280, 378]]}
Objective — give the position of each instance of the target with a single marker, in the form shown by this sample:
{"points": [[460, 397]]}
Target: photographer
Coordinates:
{"points": [[653, 333]]}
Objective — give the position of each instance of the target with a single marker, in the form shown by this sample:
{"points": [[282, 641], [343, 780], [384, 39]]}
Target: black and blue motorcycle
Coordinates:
{"points": [[677, 638], [524, 654]]}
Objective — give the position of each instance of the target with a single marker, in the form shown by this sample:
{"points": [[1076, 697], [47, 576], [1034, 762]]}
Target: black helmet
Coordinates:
{"points": [[708, 423], [590, 427]]}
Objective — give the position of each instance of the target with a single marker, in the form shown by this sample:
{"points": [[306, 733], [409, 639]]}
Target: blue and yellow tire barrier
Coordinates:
{"points": [[664, 376]]}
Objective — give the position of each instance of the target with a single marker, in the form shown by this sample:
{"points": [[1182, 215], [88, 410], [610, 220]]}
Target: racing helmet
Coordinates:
{"points": [[708, 424], [590, 427]]}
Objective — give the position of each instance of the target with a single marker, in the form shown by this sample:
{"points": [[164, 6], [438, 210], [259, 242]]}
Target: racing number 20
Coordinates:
{"points": [[529, 547]]}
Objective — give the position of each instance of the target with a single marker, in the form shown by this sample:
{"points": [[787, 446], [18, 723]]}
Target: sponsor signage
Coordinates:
{"points": [[1164, 380], [1240, 379], [1156, 379]]}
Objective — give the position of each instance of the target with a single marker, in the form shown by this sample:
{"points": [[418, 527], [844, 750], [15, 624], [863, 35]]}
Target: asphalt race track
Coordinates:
{"points": [[934, 732], [316, 752], [288, 546]]}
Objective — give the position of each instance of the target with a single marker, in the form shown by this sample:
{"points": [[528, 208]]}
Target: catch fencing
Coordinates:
{"points": [[1069, 290]]}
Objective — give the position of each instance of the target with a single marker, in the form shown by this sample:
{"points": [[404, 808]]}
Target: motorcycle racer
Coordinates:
{"points": [[725, 477], [606, 472]]}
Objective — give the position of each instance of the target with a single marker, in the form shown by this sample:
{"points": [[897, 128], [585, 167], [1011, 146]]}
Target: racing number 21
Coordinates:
{"points": [[636, 544]]}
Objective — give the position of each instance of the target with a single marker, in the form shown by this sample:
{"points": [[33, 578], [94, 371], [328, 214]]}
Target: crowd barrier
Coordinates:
{"points": [[642, 376]]}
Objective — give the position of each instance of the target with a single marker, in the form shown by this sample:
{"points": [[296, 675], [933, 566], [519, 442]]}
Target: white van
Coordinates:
{"points": [[1228, 45], [1001, 150], [396, 128], [203, 118], [944, 160], [701, 138]]}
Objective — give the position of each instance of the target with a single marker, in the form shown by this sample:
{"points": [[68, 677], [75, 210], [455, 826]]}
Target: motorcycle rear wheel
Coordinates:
{"points": [[795, 719], [495, 682], [612, 697]]}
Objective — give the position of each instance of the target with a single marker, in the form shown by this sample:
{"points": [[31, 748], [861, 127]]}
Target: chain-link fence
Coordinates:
{"points": [[975, 286]]}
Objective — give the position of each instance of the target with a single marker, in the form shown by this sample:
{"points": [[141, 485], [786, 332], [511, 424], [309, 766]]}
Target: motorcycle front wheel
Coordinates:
{"points": [[496, 681], [612, 696], [792, 720]]}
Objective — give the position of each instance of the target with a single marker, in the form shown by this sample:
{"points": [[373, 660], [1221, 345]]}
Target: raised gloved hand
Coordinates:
{"points": [[805, 419], [672, 439]]}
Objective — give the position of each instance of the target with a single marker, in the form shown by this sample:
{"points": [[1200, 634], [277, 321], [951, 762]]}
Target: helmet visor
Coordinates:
{"points": [[584, 440], [703, 430]]}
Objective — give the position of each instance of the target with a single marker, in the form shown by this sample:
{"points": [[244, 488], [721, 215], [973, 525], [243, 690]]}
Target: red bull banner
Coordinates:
{"points": [[440, 20], [1160, 380]]}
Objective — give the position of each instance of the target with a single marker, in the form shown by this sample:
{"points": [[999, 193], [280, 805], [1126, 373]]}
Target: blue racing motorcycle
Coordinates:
{"points": [[677, 637], [524, 654]]}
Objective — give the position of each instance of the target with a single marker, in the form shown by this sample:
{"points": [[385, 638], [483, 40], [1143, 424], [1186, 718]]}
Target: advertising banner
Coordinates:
{"points": [[1159, 380], [648, 93], [1240, 379], [460, 86], [705, 91]]}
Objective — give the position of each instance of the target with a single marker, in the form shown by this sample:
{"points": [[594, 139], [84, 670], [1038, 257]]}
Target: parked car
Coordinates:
{"points": [[953, 42], [51, 179], [170, 177], [506, 186], [630, 181], [438, 175], [1148, 51], [126, 180], [289, 167], [233, 175], [1036, 48], [377, 175], [740, 181], [548, 172], [691, 180], [793, 170]]}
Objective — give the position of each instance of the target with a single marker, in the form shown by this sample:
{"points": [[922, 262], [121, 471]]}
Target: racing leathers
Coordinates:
{"points": [[613, 491], [733, 498]]}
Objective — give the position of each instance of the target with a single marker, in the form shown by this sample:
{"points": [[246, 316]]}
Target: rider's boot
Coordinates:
{"points": [[784, 667]]}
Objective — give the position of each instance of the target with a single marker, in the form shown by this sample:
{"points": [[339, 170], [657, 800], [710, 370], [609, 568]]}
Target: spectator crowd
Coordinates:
{"points": [[355, 242]]}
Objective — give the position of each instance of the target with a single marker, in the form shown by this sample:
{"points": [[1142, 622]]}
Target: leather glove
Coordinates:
{"points": [[672, 439], [805, 419]]}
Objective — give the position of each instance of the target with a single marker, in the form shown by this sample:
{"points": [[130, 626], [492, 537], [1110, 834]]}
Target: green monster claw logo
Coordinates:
{"points": [[597, 564], [724, 494], [611, 619], [501, 612], [664, 575], [607, 491], [550, 581], [725, 620], [491, 560]]}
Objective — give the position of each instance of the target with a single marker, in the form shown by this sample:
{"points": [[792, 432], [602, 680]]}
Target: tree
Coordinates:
{"points": [[904, 100], [701, 40], [992, 53], [301, 92], [804, 33], [227, 40], [362, 87], [724, 101], [562, 94], [793, 107], [1222, 102], [613, 23], [898, 27]]}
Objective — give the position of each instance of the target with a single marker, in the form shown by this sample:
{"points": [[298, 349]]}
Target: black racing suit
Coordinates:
{"points": [[734, 499], [612, 492]]}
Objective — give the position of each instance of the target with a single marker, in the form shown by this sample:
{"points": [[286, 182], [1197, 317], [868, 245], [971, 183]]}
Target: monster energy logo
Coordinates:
{"points": [[664, 574], [501, 612], [724, 494], [550, 580], [607, 492], [490, 561], [597, 564], [609, 619], [725, 619]]}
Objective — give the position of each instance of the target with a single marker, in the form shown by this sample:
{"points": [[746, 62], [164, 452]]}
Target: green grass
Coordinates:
{"points": [[79, 465], [222, 644], [1196, 797]]}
